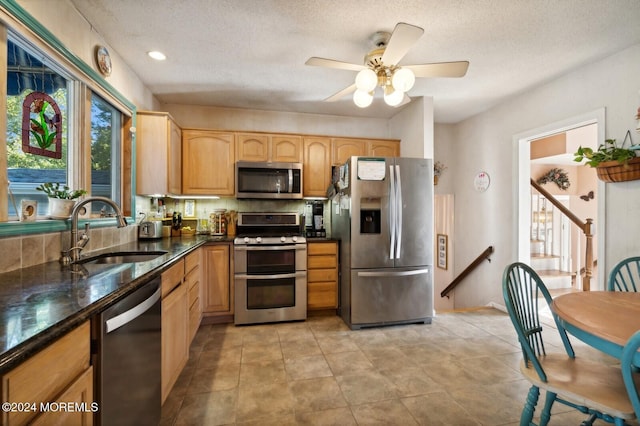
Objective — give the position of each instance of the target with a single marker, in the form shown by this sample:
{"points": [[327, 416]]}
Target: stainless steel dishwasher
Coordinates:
{"points": [[127, 358]]}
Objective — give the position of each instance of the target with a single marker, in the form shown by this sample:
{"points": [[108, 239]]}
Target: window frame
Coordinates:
{"points": [[14, 19]]}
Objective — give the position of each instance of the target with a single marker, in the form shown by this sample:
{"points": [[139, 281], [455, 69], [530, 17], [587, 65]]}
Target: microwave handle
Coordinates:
{"points": [[290, 180]]}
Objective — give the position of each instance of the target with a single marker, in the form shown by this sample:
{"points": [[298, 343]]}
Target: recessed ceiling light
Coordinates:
{"points": [[158, 56]]}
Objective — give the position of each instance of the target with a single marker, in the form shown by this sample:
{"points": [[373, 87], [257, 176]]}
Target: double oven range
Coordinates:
{"points": [[270, 274]]}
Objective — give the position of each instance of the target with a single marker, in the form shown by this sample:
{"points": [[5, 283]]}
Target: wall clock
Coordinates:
{"points": [[103, 60], [481, 181]]}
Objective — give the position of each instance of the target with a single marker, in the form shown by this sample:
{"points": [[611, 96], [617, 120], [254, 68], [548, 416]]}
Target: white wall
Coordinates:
{"points": [[413, 125], [484, 142], [194, 116], [77, 35]]}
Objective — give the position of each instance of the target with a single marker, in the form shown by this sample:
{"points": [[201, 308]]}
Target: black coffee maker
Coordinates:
{"points": [[315, 224]]}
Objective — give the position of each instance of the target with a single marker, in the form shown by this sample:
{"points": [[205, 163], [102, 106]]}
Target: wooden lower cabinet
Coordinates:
{"points": [[193, 282], [60, 372], [175, 327], [322, 275], [218, 291]]}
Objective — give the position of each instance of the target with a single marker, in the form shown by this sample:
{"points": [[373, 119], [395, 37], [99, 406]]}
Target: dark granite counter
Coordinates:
{"points": [[41, 303]]}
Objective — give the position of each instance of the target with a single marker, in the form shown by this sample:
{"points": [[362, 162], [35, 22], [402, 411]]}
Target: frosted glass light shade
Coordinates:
{"points": [[393, 97], [366, 80], [362, 99], [403, 79]]}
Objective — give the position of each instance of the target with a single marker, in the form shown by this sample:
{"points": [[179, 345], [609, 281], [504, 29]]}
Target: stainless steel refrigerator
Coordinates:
{"points": [[383, 216]]}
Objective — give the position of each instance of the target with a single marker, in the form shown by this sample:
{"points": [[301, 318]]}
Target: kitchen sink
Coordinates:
{"points": [[122, 257]]}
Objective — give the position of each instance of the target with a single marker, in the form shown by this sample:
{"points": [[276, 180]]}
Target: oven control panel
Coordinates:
{"points": [[293, 239]]}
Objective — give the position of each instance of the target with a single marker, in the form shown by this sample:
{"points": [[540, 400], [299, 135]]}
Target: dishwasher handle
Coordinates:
{"points": [[124, 318]]}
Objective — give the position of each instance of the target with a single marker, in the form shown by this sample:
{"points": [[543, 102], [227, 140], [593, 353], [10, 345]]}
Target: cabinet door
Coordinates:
{"points": [[175, 330], [208, 163], [158, 154], [175, 158], [79, 392], [343, 149], [383, 148], [286, 149], [252, 147], [316, 166], [218, 298]]}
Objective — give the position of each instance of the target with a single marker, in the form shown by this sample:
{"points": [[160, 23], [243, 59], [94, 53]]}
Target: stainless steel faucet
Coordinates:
{"points": [[78, 242]]}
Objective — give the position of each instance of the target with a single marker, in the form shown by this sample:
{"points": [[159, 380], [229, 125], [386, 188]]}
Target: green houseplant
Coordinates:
{"points": [[613, 163], [61, 198]]}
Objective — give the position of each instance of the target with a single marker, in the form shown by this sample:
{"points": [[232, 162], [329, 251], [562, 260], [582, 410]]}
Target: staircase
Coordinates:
{"points": [[548, 268]]}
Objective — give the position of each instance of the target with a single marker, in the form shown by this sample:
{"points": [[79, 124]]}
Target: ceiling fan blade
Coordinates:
{"points": [[442, 69], [331, 63], [340, 94], [402, 38]]}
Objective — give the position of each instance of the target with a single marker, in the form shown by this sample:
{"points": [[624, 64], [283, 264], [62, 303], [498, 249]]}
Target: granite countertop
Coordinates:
{"points": [[41, 303]]}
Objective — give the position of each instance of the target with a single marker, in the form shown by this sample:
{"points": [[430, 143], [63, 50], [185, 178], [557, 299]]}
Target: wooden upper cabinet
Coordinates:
{"points": [[343, 149], [266, 147], [158, 154], [316, 166], [208, 162], [286, 148], [382, 148], [252, 147]]}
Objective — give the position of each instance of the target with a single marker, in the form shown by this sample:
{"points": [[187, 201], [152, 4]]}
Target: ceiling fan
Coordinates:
{"points": [[381, 68]]}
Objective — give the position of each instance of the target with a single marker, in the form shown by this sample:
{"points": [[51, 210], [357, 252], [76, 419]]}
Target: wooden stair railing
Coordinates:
{"points": [[485, 255], [585, 227]]}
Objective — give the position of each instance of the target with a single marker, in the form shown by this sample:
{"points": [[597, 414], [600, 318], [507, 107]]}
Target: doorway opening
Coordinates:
{"points": [[546, 239]]}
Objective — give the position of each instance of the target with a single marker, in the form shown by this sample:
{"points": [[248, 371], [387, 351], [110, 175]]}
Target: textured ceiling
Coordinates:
{"points": [[251, 53]]}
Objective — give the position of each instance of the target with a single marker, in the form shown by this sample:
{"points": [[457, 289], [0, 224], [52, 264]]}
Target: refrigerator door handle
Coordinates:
{"points": [[392, 213], [393, 273], [399, 211]]}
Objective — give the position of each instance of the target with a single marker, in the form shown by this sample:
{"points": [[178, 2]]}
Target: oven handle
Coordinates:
{"points": [[282, 247], [270, 277]]}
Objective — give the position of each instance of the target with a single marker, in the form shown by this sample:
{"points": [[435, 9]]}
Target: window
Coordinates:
{"points": [[105, 150], [33, 77], [29, 72]]}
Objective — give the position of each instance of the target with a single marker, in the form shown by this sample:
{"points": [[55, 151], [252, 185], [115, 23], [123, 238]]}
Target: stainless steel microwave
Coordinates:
{"points": [[268, 180]]}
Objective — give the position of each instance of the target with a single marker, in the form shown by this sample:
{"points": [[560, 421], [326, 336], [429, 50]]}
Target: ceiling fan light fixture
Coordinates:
{"points": [[393, 97], [366, 80], [362, 99], [403, 79]]}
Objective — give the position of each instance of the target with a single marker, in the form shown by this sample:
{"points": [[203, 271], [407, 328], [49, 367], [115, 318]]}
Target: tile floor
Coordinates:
{"points": [[460, 370]]}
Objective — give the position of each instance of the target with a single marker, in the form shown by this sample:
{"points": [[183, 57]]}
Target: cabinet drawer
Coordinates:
{"points": [[45, 375], [321, 262], [316, 275], [192, 277], [194, 292], [191, 261], [330, 247], [322, 295], [172, 277]]}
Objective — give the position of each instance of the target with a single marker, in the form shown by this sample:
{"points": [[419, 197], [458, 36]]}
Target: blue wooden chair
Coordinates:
{"points": [[629, 371], [625, 276], [592, 388]]}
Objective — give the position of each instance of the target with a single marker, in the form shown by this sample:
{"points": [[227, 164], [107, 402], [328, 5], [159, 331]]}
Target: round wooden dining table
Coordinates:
{"points": [[604, 320]]}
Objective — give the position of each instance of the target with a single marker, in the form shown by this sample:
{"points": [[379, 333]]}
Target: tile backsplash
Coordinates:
{"points": [[29, 250]]}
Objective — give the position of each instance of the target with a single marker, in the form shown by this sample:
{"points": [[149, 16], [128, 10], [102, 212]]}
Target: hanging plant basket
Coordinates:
{"points": [[613, 171]]}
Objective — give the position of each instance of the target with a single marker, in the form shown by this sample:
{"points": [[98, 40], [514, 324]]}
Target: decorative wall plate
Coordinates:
{"points": [[481, 181], [103, 60]]}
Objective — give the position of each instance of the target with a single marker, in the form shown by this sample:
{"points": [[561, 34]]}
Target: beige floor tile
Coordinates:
{"points": [[317, 394], [307, 367], [256, 402], [463, 369], [331, 417], [391, 412], [262, 373], [366, 386]]}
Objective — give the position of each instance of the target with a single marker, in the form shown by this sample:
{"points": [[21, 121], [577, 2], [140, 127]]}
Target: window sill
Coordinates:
{"points": [[10, 229]]}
